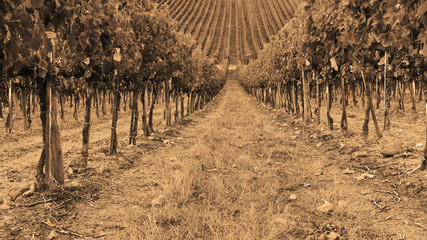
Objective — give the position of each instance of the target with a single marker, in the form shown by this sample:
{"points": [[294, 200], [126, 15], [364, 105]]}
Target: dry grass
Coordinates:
{"points": [[230, 185], [218, 190]]}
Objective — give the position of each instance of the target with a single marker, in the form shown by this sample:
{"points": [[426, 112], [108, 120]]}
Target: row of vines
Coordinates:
{"points": [[366, 49], [233, 30], [53, 51]]}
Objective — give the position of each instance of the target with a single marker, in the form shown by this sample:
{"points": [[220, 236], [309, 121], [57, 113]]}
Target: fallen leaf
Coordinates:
{"points": [[326, 207], [348, 171], [318, 172], [117, 56], [365, 176]]}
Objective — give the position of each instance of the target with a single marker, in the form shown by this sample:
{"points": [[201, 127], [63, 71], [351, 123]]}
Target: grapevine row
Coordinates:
{"points": [[184, 27], [78, 51], [331, 50], [233, 50], [201, 11], [232, 29]]}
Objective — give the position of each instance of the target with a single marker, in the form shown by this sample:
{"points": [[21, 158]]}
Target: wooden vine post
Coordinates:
{"points": [[103, 107], [115, 108], [76, 103], [1, 106], [181, 96], [168, 114], [9, 120], [154, 98], [387, 121], [96, 102], [344, 123], [319, 100], [329, 106], [295, 97], [117, 57], [424, 162], [144, 110], [306, 92], [412, 91], [188, 102], [133, 133], [24, 108], [176, 98]]}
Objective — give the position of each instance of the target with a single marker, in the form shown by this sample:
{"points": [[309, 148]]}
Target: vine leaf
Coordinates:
{"points": [[334, 64], [87, 61], [50, 34], [117, 56], [422, 9]]}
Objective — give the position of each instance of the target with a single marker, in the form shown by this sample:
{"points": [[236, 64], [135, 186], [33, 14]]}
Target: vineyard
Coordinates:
{"points": [[236, 29], [213, 119], [325, 52]]}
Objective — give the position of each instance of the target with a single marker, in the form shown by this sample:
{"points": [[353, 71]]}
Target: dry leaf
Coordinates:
{"points": [[348, 171], [326, 207], [318, 172], [365, 176]]}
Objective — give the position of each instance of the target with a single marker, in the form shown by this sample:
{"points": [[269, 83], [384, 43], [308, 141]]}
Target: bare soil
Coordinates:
{"points": [[235, 170]]}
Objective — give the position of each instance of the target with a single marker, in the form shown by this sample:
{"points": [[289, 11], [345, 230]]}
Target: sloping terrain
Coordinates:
{"points": [[235, 29]]}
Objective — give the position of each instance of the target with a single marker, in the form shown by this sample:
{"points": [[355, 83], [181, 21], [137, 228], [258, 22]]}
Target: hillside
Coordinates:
{"points": [[231, 28]]}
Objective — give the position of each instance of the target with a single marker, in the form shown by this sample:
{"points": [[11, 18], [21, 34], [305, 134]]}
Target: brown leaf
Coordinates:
{"points": [[326, 207]]}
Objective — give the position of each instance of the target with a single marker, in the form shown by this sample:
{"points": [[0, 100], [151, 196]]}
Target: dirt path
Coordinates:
{"points": [[236, 171]]}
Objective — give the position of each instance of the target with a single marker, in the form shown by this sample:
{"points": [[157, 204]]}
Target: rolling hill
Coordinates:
{"points": [[237, 29]]}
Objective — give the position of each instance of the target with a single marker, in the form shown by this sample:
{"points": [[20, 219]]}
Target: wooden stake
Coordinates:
{"points": [[144, 110], [424, 161], [9, 121], [306, 95]]}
